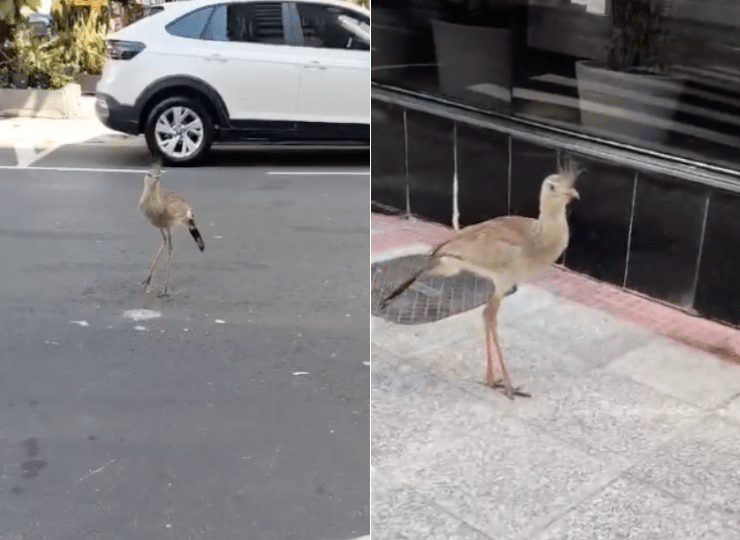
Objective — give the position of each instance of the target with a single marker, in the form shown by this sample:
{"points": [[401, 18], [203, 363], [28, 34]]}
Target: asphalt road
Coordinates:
{"points": [[242, 411]]}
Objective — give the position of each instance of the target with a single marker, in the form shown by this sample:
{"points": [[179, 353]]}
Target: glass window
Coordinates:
{"points": [[190, 25], [216, 28], [333, 28], [661, 75], [255, 22]]}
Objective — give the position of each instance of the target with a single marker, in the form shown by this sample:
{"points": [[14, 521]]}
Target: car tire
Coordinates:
{"points": [[179, 130]]}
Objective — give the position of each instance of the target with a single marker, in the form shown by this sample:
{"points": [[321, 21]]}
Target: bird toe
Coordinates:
{"points": [[510, 392]]}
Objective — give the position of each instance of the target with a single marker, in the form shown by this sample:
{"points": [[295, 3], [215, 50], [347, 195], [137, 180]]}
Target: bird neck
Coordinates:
{"points": [[552, 213], [152, 195]]}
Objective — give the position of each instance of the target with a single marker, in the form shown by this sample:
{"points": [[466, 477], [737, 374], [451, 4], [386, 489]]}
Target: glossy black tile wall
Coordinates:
{"points": [[667, 215], [718, 287], [666, 234], [599, 222], [431, 164], [388, 155], [482, 173], [530, 165]]}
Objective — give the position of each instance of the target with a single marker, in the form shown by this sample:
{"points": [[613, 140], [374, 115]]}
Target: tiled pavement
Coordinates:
{"points": [[630, 433]]}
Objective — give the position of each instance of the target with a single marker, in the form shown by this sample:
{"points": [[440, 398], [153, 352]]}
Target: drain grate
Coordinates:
{"points": [[431, 298]]}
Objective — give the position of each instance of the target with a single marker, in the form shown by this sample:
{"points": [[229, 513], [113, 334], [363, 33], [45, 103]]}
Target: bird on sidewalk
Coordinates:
{"points": [[505, 250], [165, 210]]}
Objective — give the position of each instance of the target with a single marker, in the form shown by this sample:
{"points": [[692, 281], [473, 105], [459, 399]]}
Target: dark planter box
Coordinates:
{"points": [[87, 82]]}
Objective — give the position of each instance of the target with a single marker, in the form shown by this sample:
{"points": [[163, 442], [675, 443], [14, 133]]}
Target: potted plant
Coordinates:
{"points": [[11, 17], [83, 40], [474, 42], [47, 89], [630, 93], [90, 38]]}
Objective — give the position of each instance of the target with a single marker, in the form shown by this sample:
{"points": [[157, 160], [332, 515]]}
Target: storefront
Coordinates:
{"points": [[475, 100]]}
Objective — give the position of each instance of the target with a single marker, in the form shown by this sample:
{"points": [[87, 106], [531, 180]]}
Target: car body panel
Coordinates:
{"points": [[256, 91]]}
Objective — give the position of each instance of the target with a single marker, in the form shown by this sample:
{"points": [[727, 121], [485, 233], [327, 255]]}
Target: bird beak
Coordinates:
{"points": [[574, 194]]}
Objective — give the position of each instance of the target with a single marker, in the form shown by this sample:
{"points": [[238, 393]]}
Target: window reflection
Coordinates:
{"points": [[661, 75]]}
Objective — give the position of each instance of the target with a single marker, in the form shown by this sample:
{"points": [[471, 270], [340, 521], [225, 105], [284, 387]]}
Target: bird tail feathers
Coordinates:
{"points": [[398, 291], [195, 233]]}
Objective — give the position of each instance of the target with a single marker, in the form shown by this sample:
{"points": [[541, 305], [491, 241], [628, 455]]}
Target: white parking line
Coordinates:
{"points": [[319, 173], [143, 171], [73, 169]]}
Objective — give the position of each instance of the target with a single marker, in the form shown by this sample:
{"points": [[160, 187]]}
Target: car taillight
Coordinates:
{"points": [[123, 50]]}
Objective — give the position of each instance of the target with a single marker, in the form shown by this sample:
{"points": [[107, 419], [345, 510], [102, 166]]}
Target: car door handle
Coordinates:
{"points": [[217, 57], [315, 65]]}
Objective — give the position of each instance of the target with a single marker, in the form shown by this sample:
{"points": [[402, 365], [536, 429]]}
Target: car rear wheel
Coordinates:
{"points": [[179, 130]]}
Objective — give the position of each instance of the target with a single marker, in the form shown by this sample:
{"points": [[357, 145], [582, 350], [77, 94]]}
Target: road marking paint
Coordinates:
{"points": [[318, 173], [141, 314], [96, 471], [301, 373], [81, 323], [220, 321], [73, 169]]}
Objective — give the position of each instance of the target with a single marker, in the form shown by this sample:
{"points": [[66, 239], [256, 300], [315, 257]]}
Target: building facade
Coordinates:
{"points": [[474, 101]]}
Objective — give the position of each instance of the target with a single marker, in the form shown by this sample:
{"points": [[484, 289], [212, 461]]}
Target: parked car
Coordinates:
{"points": [[152, 9], [270, 71], [42, 24]]}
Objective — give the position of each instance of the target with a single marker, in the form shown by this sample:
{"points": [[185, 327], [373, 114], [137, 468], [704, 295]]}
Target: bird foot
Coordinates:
{"points": [[163, 294], [510, 392]]}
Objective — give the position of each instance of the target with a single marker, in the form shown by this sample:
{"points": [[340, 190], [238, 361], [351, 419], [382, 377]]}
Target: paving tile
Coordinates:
{"points": [[608, 415], [699, 467], [589, 334], [628, 509], [684, 373], [399, 513], [493, 471], [731, 411], [403, 419]]}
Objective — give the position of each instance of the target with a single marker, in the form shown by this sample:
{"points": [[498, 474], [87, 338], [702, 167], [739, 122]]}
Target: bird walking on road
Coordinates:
{"points": [[165, 210], [506, 250]]}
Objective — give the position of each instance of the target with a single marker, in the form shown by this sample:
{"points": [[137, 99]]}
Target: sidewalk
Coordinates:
{"points": [[33, 138], [629, 432]]}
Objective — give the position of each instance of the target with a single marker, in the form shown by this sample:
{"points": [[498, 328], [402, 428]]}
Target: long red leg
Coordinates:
{"points": [[148, 279], [169, 260], [491, 312], [490, 378]]}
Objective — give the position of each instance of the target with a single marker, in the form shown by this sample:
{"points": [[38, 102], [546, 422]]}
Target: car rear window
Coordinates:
{"points": [[190, 25], [216, 28], [251, 22]]}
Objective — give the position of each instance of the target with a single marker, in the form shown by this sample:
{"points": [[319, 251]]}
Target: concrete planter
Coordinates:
{"points": [[475, 63], [637, 106], [87, 82], [62, 103]]}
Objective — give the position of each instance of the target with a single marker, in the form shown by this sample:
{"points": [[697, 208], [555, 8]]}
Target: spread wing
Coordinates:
{"points": [[492, 244]]}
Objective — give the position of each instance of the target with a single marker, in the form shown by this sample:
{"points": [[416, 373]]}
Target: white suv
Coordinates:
{"points": [[270, 71]]}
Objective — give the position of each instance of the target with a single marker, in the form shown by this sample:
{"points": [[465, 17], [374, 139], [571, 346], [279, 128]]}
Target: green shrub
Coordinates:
{"points": [[5, 78], [42, 60], [89, 44]]}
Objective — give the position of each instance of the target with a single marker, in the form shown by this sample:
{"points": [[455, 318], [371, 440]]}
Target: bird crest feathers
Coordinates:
{"points": [[569, 171]]}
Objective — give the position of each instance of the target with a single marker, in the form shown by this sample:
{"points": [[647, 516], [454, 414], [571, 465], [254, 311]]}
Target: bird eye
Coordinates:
{"points": [[552, 187]]}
